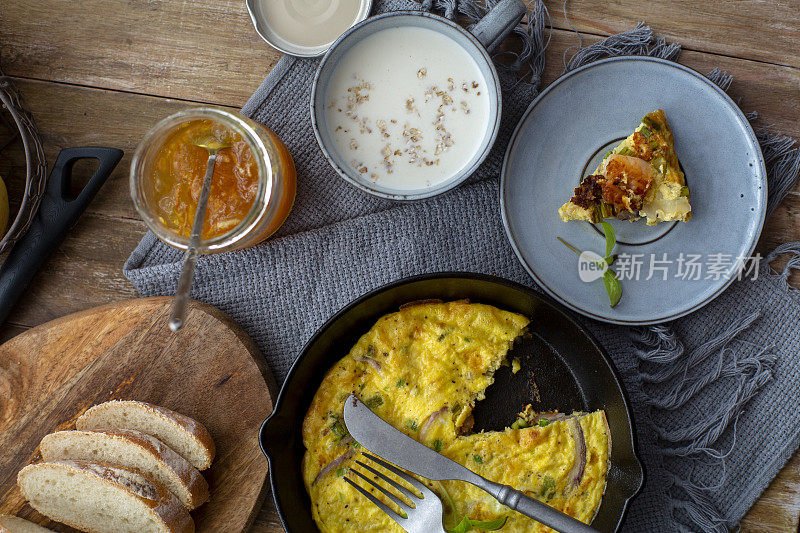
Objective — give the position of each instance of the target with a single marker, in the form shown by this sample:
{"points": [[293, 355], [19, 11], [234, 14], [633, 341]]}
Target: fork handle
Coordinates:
{"points": [[519, 501]]}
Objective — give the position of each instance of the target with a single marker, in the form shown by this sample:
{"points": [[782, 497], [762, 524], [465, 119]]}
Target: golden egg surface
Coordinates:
{"points": [[422, 369]]}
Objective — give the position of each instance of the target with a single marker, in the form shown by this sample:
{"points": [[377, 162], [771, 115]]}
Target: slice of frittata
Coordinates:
{"points": [[639, 178]]}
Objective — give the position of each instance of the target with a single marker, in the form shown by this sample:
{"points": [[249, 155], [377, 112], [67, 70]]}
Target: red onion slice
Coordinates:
{"points": [[333, 464], [369, 360], [579, 466], [429, 422]]}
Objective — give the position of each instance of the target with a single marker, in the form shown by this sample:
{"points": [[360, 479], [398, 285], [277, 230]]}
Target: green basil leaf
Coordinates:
{"points": [[462, 527], [613, 287], [611, 238]]}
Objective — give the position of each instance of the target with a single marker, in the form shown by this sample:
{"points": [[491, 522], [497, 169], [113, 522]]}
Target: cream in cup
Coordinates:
{"points": [[406, 105], [305, 28]]}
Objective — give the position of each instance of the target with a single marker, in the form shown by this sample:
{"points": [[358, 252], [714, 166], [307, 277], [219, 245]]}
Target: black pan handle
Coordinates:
{"points": [[57, 213]]}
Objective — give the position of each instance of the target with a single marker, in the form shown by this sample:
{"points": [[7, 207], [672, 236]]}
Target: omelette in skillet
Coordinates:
{"points": [[422, 369], [639, 178]]}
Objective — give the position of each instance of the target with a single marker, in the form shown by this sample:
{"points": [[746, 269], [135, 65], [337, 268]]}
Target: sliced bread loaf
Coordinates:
{"points": [[135, 451], [13, 524], [186, 436], [102, 499]]}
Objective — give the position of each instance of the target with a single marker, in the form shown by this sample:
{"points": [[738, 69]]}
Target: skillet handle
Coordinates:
{"points": [[57, 214]]}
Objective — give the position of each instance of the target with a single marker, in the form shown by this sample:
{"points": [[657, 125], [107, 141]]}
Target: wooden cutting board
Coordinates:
{"points": [[209, 370]]}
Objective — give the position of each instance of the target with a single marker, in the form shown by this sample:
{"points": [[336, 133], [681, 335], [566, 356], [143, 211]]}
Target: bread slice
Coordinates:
{"points": [[184, 435], [135, 451], [13, 524], [102, 499]]}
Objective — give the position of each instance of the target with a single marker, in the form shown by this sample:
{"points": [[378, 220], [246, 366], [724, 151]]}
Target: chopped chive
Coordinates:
{"points": [[411, 424], [374, 401], [650, 123], [543, 422], [477, 458], [548, 487], [519, 423], [437, 445], [338, 429], [626, 151]]}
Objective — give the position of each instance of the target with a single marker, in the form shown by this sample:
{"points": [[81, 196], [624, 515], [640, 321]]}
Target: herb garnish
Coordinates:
{"points": [[610, 281], [548, 488], [374, 401]]}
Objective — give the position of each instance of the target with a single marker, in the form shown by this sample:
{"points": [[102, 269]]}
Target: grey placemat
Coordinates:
{"points": [[733, 364]]}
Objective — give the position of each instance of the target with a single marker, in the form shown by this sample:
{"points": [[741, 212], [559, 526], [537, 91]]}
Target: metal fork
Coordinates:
{"points": [[427, 512]]}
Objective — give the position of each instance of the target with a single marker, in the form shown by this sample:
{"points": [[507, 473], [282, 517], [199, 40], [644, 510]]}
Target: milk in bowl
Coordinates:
{"points": [[407, 108]]}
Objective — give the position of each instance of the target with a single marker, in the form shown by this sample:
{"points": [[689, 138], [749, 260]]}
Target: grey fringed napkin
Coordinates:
{"points": [[714, 394]]}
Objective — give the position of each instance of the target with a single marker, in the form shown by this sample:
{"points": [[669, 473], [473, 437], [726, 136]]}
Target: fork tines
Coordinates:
{"points": [[406, 509]]}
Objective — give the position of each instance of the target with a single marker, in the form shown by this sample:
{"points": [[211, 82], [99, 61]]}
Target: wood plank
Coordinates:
{"points": [[201, 50], [86, 271], [778, 509], [752, 29], [152, 46]]}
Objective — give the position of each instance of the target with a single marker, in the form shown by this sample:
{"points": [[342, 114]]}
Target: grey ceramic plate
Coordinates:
{"points": [[565, 133]]}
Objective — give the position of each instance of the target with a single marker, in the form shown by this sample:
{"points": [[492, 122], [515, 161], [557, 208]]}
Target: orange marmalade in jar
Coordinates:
{"points": [[252, 189]]}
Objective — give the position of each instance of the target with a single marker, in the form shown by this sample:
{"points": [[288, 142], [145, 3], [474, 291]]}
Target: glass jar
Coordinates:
{"points": [[274, 198]]}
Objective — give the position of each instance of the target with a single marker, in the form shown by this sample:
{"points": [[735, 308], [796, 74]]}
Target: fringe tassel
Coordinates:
{"points": [[703, 434], [793, 263], [699, 509], [640, 41], [702, 352], [662, 341], [685, 390], [720, 78], [531, 35], [782, 158]]}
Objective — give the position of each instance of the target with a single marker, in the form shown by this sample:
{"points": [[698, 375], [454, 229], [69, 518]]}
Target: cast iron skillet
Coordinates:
{"points": [[569, 368]]}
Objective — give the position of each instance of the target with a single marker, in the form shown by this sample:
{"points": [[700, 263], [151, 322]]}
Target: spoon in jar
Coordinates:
{"points": [[181, 300]]}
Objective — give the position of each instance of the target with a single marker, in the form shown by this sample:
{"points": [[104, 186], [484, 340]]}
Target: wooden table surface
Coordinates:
{"points": [[102, 72]]}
